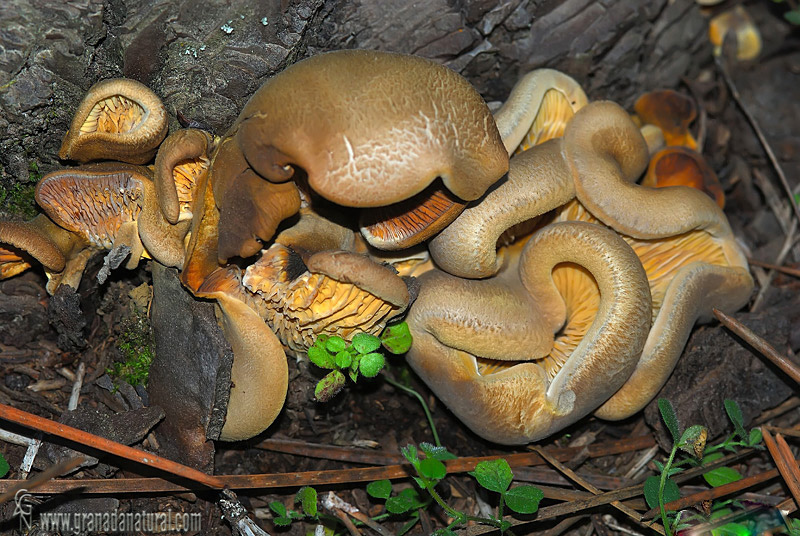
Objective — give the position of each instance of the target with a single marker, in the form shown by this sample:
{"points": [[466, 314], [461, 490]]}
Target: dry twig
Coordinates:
{"points": [[759, 344], [29, 420], [784, 461]]}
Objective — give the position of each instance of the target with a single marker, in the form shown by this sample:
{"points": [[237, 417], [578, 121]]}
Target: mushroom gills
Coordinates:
{"points": [[186, 174], [12, 262], [410, 222], [93, 205], [554, 113], [582, 300], [301, 303], [114, 115]]}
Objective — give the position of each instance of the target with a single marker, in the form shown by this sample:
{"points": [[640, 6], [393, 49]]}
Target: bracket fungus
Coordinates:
{"points": [[368, 129], [118, 119]]}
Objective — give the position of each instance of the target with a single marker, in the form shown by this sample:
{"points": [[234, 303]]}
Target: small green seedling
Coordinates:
{"points": [[307, 497], [494, 475], [659, 490], [361, 356]]}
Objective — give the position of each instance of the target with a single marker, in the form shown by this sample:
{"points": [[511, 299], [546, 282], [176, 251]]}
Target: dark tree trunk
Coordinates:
{"points": [[204, 58]]}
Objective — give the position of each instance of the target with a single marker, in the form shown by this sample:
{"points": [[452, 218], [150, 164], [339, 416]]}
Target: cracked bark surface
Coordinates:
{"points": [[206, 58]]}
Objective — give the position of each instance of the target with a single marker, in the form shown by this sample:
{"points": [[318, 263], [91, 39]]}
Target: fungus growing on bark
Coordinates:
{"points": [[368, 129], [259, 375], [118, 119]]}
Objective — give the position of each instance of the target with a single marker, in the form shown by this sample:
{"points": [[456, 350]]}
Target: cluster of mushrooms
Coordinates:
{"points": [[540, 282]]}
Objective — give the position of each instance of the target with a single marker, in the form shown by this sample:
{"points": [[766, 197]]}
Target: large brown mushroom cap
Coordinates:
{"points": [[367, 128], [119, 119]]}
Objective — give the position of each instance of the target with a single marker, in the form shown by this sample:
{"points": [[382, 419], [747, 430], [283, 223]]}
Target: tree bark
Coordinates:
{"points": [[205, 58]]}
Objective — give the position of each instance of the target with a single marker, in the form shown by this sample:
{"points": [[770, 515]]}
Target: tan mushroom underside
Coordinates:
{"points": [[334, 293], [118, 119], [260, 374]]}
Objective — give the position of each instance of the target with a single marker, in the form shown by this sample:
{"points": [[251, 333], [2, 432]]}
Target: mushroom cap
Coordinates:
{"points": [[681, 166], [538, 109], [689, 273], [24, 238], [331, 292], [93, 201], [250, 208], [118, 119], [372, 128], [260, 375], [181, 162], [112, 204], [738, 21], [538, 181], [457, 324], [670, 111]]}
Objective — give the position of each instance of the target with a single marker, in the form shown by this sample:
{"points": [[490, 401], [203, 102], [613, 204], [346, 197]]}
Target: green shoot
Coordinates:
{"points": [[307, 497], [659, 490], [361, 356], [427, 460]]}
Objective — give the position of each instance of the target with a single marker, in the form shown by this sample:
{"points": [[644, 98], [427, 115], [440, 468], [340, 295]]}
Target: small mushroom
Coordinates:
{"points": [[63, 254], [118, 119], [331, 292], [745, 33], [538, 109], [680, 166], [670, 111], [260, 375], [368, 129], [482, 345], [181, 163]]}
